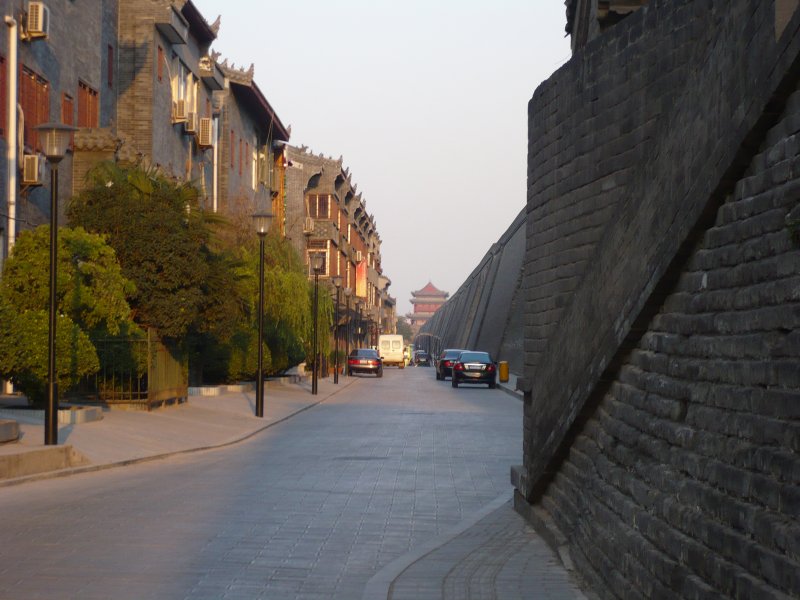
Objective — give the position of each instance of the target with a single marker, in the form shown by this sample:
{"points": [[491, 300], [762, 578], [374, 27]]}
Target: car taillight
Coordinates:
{"points": [[374, 363], [490, 368], [458, 367], [352, 361], [448, 363]]}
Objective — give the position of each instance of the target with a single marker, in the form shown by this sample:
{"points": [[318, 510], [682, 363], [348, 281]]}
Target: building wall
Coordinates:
{"points": [[662, 330], [75, 50], [145, 103]]}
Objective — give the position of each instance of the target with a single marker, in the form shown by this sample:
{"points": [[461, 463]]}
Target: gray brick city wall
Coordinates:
{"points": [[485, 312], [662, 305]]}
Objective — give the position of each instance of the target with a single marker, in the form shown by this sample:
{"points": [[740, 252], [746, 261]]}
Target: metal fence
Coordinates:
{"points": [[136, 373]]}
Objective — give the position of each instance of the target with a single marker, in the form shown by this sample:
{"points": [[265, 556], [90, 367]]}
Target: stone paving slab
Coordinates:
{"points": [[491, 553], [494, 555]]}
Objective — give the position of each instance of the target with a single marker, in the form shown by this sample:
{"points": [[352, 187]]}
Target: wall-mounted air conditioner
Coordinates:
{"points": [[37, 21], [179, 114], [205, 137], [32, 165], [191, 123]]}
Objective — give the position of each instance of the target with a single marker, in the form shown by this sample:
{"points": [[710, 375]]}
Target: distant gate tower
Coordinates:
{"points": [[426, 301]]}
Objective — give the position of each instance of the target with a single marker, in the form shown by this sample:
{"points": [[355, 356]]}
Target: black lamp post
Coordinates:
{"points": [[347, 293], [316, 266], [361, 323], [55, 138], [261, 222], [337, 283]]}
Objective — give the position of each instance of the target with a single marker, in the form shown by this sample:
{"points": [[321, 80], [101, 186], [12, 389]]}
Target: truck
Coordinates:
{"points": [[390, 347]]}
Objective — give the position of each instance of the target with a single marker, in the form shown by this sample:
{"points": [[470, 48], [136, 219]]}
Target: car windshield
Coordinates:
{"points": [[448, 354], [482, 357], [364, 353]]}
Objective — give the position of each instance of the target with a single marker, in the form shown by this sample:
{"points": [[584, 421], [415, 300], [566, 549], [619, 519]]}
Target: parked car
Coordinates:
{"points": [[422, 359], [474, 367], [444, 364], [364, 360]]}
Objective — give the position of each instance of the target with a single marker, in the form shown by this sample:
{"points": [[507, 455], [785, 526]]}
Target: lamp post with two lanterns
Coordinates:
{"points": [[55, 138], [317, 266], [262, 222], [347, 293]]}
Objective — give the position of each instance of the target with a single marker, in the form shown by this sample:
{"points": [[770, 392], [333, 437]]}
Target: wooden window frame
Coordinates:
{"points": [[88, 106]]}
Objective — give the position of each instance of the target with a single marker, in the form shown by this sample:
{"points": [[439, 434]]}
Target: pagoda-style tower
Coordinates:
{"points": [[426, 302]]}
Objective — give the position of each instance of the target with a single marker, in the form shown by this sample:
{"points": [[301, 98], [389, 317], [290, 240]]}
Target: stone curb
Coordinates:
{"points": [[379, 585]]}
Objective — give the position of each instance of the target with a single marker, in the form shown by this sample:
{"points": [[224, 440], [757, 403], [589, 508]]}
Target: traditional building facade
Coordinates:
{"points": [[249, 150], [426, 302], [55, 68], [139, 81], [326, 216]]}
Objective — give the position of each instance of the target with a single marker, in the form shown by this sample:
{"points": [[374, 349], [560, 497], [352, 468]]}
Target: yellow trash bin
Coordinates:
{"points": [[502, 368]]}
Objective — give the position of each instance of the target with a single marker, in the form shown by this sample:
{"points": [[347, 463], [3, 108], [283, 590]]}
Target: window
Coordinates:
{"points": [[67, 109], [88, 106], [34, 97], [110, 66], [318, 205], [160, 66], [68, 113], [241, 155], [233, 149]]}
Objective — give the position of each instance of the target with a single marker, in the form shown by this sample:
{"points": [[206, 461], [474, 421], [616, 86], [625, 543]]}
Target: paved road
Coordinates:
{"points": [[311, 508]]}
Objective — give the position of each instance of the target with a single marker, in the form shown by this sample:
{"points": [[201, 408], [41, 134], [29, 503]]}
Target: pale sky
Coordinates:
{"points": [[425, 100]]}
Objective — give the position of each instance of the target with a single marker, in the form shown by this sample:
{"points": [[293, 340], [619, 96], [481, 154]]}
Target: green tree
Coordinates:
{"points": [[404, 329], [90, 287], [24, 351], [160, 237], [90, 297]]}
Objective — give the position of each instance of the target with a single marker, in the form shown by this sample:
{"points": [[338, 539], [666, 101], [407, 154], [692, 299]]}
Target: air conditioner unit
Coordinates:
{"points": [[191, 123], [37, 24], [308, 226], [179, 111], [32, 165], [358, 256], [205, 138]]}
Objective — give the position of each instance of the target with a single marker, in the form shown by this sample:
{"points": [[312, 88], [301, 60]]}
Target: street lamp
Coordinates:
{"points": [[347, 293], [337, 283], [316, 264], [261, 221], [55, 138]]}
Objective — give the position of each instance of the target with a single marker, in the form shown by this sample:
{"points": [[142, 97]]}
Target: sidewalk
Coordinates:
{"points": [[493, 553]]}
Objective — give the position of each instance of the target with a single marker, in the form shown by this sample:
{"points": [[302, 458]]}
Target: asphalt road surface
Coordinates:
{"points": [[308, 509]]}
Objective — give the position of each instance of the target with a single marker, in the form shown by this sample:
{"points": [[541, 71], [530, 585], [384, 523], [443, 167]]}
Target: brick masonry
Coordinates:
{"points": [[662, 305], [485, 312]]}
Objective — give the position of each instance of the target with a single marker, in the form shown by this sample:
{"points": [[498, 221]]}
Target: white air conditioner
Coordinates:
{"points": [[308, 226], [205, 136], [37, 24], [191, 123], [358, 256], [179, 111], [32, 165]]}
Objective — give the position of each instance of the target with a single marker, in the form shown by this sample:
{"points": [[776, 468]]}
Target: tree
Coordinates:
{"points": [[160, 237], [404, 329], [90, 297], [90, 287]]}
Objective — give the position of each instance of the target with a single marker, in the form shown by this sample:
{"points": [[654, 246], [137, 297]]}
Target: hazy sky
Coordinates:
{"points": [[426, 101]]}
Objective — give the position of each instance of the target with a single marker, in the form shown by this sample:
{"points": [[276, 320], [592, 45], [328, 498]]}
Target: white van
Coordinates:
{"points": [[391, 347]]}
